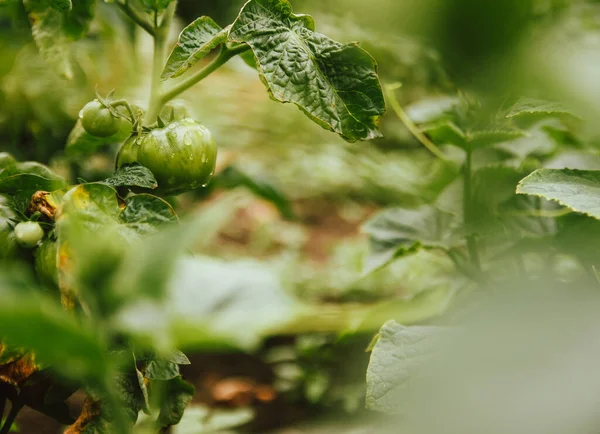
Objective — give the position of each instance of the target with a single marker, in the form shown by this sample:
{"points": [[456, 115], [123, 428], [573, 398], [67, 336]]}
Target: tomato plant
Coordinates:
{"points": [[182, 254]]}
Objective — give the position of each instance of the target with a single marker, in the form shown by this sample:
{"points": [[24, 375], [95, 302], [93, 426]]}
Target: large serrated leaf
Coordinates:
{"points": [[335, 84], [536, 109], [576, 189], [395, 359], [396, 232], [195, 41]]}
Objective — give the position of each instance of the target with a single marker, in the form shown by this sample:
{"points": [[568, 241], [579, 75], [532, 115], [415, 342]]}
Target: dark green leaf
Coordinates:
{"points": [[195, 41], [396, 232], [145, 213], [178, 393], [336, 85], [577, 189], [132, 175], [22, 186], [60, 5]]}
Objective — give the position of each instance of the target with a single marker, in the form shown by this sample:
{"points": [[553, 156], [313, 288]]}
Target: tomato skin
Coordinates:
{"points": [[182, 156], [97, 120], [128, 152], [28, 234]]}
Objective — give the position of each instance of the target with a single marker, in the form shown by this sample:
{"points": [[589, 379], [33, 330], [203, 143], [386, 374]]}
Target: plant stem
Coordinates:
{"points": [[12, 415], [2, 407], [124, 103], [161, 33], [136, 17], [220, 60], [410, 125], [468, 209]]}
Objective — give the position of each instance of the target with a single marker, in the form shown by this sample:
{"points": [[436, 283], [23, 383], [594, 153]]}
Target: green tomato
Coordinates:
{"points": [[28, 234], [8, 244], [97, 119], [182, 156], [128, 152]]}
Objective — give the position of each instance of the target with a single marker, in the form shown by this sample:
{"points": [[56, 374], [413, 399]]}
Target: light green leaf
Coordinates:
{"points": [[396, 232], [161, 370], [578, 190], [529, 110], [132, 175], [395, 361], [335, 84], [432, 109], [204, 420], [195, 41]]}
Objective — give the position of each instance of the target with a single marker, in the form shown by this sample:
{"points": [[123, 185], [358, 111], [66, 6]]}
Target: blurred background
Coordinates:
{"points": [[292, 197]]}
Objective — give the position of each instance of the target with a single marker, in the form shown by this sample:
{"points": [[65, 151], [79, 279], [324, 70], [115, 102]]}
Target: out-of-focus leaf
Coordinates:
{"points": [[529, 110], [445, 132], [432, 109], [60, 5], [396, 357], [233, 177], [397, 232], [80, 142], [132, 175], [576, 189], [91, 420], [350, 101], [206, 303], [484, 138], [195, 41], [177, 394], [207, 420], [53, 30], [74, 350]]}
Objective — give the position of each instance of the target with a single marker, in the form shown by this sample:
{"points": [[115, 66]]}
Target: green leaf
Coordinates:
{"points": [[578, 190], [203, 419], [528, 110], [232, 177], [397, 232], [53, 30], [27, 318], [61, 5], [178, 393], [445, 132], [132, 175], [195, 41], [432, 109], [336, 85], [395, 360], [161, 370]]}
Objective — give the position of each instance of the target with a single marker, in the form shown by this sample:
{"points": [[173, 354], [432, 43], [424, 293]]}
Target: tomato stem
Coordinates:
{"points": [[161, 33], [468, 210], [410, 125], [220, 60], [136, 17]]}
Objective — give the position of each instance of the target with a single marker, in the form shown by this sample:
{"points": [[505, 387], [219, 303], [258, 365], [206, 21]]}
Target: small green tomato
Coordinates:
{"points": [[28, 234], [97, 119]]}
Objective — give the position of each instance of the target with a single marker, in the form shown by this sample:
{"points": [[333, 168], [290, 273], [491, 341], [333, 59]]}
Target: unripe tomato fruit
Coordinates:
{"points": [[97, 119], [28, 234], [182, 155]]}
